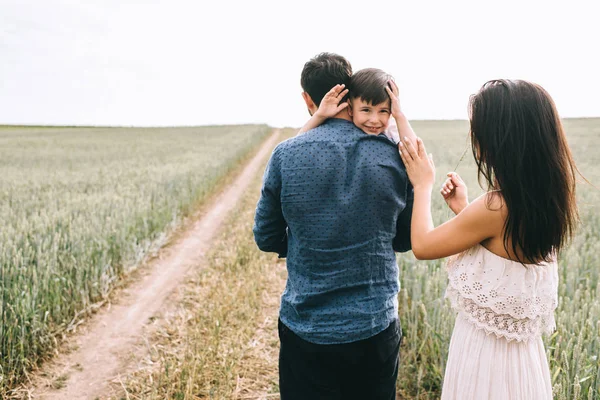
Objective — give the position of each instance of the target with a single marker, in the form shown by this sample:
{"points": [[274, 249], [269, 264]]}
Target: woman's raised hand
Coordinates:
{"points": [[419, 165], [330, 105], [455, 192]]}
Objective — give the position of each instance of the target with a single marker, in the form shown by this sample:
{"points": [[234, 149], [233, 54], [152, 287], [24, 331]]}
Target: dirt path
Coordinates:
{"points": [[105, 349]]}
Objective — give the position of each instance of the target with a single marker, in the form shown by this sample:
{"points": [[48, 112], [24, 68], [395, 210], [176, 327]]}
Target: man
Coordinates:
{"points": [[336, 202]]}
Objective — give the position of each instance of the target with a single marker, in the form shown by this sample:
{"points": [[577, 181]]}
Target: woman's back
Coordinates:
{"points": [[501, 243]]}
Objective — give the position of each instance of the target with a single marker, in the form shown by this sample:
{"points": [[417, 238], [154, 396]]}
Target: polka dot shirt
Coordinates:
{"points": [[337, 203]]}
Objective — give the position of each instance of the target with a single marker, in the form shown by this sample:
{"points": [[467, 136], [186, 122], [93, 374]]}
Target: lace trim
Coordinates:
{"points": [[501, 325], [504, 288]]}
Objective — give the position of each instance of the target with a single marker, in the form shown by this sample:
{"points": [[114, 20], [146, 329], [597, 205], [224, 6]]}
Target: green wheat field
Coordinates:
{"points": [[80, 207]]}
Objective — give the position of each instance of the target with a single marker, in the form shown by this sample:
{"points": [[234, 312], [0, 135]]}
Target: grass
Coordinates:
{"points": [[81, 207], [221, 342], [208, 359]]}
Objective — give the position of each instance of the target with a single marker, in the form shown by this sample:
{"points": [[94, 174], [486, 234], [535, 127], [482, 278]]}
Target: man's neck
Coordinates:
{"points": [[343, 115]]}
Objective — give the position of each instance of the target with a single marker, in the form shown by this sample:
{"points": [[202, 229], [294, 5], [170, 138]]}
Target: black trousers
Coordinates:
{"points": [[365, 370]]}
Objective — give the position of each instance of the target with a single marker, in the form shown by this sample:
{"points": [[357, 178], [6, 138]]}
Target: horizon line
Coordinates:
{"points": [[21, 125]]}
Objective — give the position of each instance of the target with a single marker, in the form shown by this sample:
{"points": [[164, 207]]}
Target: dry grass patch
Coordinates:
{"points": [[220, 340]]}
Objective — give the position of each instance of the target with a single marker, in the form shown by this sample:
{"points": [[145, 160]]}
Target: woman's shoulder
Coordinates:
{"points": [[491, 203], [487, 212]]}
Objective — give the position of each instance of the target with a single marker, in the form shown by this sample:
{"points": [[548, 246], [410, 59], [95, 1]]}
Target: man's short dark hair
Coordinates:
{"points": [[369, 85], [323, 72]]}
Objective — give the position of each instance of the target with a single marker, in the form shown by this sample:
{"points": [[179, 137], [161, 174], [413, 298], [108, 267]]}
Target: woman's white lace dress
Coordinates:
{"points": [[496, 351]]}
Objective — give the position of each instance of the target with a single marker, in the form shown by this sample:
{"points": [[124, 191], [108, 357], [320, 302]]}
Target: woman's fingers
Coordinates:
{"points": [[455, 178], [410, 148], [410, 151], [447, 187], [405, 154], [410, 154], [403, 157], [420, 148]]}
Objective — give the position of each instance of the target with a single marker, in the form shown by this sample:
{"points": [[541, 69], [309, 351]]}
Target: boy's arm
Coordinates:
{"points": [[329, 107], [312, 123], [270, 228], [402, 124]]}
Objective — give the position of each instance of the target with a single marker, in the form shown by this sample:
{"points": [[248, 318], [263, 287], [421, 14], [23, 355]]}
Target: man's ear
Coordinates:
{"points": [[310, 104]]}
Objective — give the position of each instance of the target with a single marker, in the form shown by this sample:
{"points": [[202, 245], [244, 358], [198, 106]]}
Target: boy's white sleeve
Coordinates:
{"points": [[392, 131]]}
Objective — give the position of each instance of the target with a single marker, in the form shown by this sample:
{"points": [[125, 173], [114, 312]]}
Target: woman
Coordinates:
{"points": [[503, 282]]}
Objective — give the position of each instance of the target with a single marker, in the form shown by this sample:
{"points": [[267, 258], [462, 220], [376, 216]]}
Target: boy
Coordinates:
{"points": [[372, 99]]}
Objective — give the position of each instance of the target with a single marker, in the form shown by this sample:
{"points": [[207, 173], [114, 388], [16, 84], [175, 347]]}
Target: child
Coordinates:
{"points": [[504, 282], [368, 105]]}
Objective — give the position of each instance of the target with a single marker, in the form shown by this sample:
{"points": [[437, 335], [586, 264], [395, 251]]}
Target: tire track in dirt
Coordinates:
{"points": [[104, 350]]}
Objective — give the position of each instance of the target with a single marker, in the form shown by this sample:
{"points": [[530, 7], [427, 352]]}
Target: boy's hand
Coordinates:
{"points": [[330, 105], [455, 192], [394, 93]]}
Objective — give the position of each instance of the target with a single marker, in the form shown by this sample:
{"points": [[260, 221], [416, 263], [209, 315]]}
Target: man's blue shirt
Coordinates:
{"points": [[337, 203]]}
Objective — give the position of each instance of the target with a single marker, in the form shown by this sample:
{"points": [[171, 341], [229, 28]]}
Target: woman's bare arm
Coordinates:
{"points": [[474, 224]]}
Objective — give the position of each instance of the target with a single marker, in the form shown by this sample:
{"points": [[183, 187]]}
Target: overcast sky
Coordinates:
{"points": [[176, 62]]}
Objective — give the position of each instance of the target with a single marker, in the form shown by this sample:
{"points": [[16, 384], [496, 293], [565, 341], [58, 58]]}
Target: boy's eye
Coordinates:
{"points": [[364, 109]]}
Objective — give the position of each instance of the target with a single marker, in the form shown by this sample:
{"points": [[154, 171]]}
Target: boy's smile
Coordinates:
{"points": [[371, 119]]}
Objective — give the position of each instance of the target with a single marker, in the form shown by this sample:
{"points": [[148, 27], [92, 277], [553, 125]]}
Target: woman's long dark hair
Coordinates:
{"points": [[520, 149]]}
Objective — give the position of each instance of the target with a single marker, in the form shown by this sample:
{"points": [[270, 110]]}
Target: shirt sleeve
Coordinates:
{"points": [[270, 228], [392, 131], [402, 242]]}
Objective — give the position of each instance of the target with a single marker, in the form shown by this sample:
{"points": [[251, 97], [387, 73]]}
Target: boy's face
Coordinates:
{"points": [[371, 119]]}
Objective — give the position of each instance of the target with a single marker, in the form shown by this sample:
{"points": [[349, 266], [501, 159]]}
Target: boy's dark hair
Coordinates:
{"points": [[323, 72], [369, 85]]}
